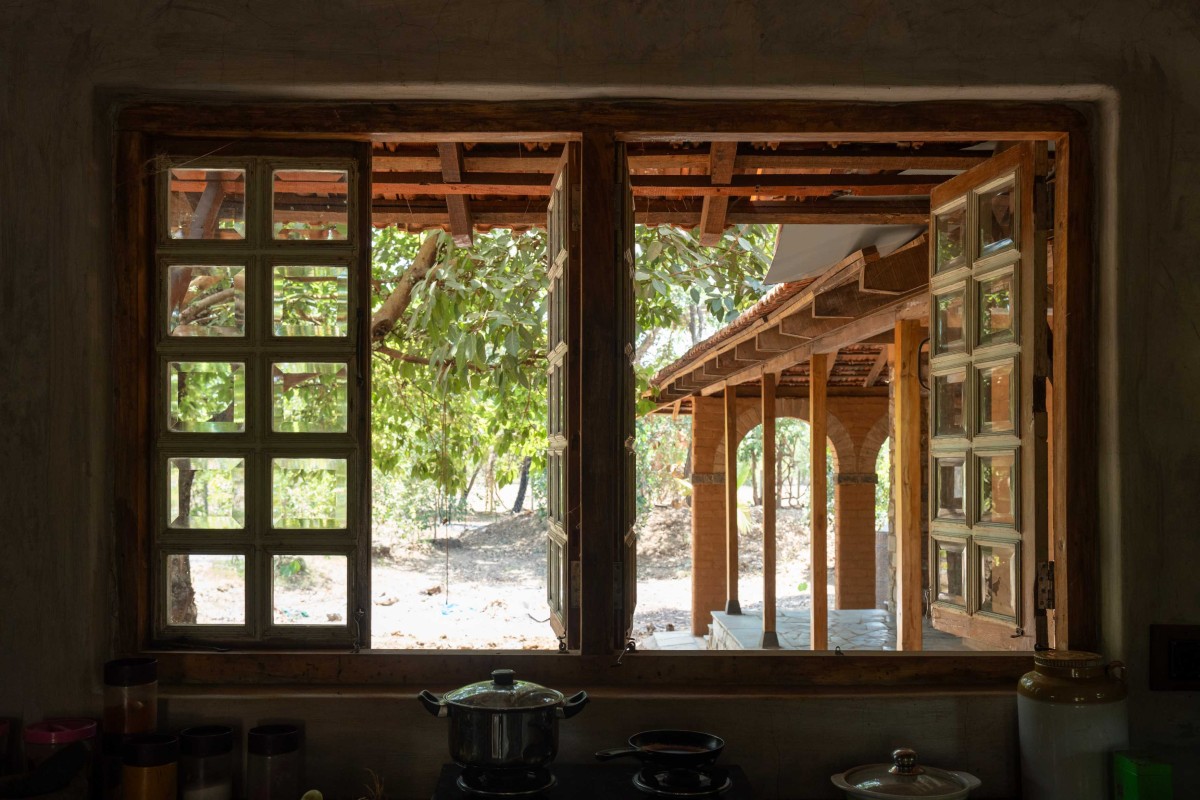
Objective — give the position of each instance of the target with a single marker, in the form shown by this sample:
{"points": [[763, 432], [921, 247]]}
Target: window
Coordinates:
{"points": [[258, 481], [230, 393]]}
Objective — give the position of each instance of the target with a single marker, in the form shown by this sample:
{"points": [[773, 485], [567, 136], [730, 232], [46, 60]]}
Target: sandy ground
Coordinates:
{"points": [[481, 584]]}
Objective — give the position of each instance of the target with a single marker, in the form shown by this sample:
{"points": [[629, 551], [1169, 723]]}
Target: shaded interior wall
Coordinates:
{"points": [[1134, 63]]}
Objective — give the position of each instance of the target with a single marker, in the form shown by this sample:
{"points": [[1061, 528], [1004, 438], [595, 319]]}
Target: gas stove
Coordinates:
{"points": [[599, 781]]}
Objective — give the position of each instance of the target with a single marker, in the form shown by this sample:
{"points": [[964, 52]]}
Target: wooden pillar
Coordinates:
{"points": [[732, 606], [818, 547], [770, 638], [907, 486]]}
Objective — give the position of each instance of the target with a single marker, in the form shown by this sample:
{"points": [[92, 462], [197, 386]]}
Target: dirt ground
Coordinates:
{"points": [[481, 584]]}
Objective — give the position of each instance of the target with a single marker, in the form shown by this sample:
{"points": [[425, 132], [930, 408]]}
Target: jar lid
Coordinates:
{"points": [[150, 750], [273, 740], [131, 671], [905, 778], [60, 731], [206, 740], [504, 692], [1068, 659]]}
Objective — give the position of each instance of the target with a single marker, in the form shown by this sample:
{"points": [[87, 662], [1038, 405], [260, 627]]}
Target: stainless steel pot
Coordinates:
{"points": [[503, 723]]}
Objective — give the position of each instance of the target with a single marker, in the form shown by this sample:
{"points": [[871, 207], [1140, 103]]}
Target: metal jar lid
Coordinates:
{"points": [[1068, 659], [905, 778], [503, 692]]}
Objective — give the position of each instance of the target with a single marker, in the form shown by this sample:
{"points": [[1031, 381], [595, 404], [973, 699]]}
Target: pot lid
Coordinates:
{"points": [[905, 778], [504, 692]]}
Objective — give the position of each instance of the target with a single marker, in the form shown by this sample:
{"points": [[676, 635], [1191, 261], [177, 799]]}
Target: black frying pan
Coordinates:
{"points": [[690, 749]]}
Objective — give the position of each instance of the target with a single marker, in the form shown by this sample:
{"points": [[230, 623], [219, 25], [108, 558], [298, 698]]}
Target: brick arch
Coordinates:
{"points": [[841, 444], [868, 452]]}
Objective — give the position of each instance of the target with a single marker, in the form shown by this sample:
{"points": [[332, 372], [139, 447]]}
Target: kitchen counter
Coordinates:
{"points": [[588, 782]]}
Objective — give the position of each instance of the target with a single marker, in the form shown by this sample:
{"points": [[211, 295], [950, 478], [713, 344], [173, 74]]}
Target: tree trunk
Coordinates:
{"points": [[466, 495], [383, 320], [755, 494], [181, 593], [522, 486]]}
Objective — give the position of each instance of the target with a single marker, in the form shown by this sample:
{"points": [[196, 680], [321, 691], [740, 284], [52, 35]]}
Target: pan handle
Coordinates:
{"points": [[573, 705], [617, 752], [432, 703]]}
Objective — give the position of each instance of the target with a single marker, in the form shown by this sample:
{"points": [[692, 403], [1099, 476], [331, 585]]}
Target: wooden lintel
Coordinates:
{"points": [[720, 172], [877, 368]]}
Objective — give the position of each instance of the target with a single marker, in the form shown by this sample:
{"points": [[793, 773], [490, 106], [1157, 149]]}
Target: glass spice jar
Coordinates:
{"points": [[44, 739], [206, 763], [273, 763], [150, 764], [131, 696]]}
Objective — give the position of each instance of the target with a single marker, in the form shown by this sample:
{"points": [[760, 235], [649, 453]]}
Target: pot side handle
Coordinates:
{"points": [[432, 703], [573, 705], [617, 752], [839, 781]]}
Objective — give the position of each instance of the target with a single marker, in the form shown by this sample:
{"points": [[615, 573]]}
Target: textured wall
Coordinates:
{"points": [[61, 62]]}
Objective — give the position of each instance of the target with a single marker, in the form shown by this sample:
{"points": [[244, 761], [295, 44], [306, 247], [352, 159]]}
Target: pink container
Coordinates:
{"points": [[44, 739]]}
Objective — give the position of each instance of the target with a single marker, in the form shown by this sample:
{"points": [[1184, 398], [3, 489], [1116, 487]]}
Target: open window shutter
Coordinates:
{"points": [[627, 547], [989, 362], [562, 490]]}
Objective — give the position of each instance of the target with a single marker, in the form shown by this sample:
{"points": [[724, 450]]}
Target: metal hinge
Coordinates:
{"points": [[1045, 585]]}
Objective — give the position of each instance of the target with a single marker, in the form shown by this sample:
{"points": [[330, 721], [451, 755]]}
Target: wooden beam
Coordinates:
{"points": [[898, 272], [458, 207], [432, 183], [720, 172], [832, 362], [732, 606], [870, 157], [531, 212], [773, 340], [906, 390], [818, 553], [519, 160], [770, 637], [880, 362], [788, 185]]}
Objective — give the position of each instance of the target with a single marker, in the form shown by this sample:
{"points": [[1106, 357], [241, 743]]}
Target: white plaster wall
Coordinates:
{"points": [[61, 64]]}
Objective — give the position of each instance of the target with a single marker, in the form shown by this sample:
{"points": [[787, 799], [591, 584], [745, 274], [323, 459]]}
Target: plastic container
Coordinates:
{"points": [[131, 696], [44, 739], [1072, 716], [273, 763], [150, 768], [206, 763]]}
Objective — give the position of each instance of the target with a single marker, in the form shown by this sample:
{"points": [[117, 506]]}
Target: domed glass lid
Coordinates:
{"points": [[905, 778], [504, 692]]}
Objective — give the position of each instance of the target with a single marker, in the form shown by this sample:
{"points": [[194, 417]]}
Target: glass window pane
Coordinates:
{"points": [[997, 310], [949, 333], [311, 204], [206, 204], [996, 219], [309, 590], [206, 396], [951, 230], [950, 474], [310, 301], [308, 397], [996, 411], [998, 578], [206, 492], [206, 301], [308, 493], [206, 589], [949, 404], [951, 566], [998, 488]]}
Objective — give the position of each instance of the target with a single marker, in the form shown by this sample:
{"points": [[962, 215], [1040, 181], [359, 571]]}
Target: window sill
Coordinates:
{"points": [[692, 674]]}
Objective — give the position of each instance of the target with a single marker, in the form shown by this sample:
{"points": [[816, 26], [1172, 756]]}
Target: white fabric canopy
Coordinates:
{"points": [[808, 250]]}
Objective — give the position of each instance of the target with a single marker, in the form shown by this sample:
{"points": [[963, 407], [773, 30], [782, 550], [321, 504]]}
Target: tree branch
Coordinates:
{"points": [[384, 320]]}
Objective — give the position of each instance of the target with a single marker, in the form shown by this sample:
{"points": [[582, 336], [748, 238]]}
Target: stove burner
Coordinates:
{"points": [[505, 782], [664, 782]]}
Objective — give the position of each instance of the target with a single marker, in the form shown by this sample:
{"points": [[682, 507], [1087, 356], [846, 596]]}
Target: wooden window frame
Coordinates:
{"points": [[599, 126]]}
